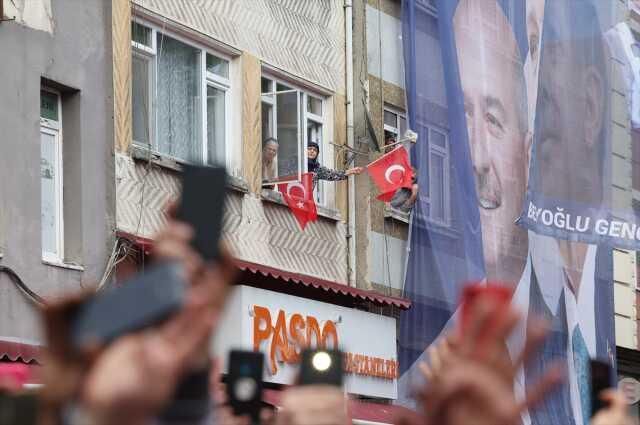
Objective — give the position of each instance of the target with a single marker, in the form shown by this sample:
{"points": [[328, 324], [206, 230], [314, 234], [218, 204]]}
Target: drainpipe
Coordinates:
{"points": [[348, 27]]}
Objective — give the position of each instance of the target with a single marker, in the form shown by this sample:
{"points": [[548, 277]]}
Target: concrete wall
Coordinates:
{"points": [[75, 54], [378, 56]]}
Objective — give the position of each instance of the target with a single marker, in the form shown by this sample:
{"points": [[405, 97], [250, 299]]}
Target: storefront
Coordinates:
{"points": [[278, 324]]}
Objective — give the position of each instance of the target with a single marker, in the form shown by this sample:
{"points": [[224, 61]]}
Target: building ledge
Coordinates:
{"points": [[139, 153], [63, 265], [395, 214]]}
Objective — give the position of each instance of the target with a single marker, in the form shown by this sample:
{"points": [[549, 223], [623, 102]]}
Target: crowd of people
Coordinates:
{"points": [[165, 375]]}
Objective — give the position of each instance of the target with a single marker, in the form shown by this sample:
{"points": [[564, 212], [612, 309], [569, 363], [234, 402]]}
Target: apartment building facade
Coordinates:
{"points": [[57, 190], [211, 81], [383, 231]]}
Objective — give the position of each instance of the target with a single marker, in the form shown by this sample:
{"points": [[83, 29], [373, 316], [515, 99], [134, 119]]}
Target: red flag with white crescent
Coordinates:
{"points": [[299, 198], [391, 172]]}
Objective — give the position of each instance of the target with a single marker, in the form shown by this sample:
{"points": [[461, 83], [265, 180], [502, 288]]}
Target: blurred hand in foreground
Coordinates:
{"points": [[470, 379], [313, 405], [133, 378], [616, 414]]}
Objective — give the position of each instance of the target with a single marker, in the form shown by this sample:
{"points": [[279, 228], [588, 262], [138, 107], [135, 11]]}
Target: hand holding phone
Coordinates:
{"points": [[321, 367], [244, 386], [202, 206]]}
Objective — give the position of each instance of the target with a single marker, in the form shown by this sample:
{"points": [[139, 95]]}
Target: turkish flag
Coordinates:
{"points": [[299, 198], [390, 172]]}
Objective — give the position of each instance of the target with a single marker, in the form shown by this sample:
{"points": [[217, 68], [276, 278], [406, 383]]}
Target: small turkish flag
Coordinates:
{"points": [[299, 198], [390, 172]]}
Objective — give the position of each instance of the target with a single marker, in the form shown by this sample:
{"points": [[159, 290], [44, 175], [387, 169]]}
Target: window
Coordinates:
{"points": [[437, 175], [294, 118], [51, 212], [181, 96], [395, 125]]}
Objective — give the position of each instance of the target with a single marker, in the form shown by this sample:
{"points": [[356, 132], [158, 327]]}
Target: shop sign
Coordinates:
{"points": [[281, 326]]}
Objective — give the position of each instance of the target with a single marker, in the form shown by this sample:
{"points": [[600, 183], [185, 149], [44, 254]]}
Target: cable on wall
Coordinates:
{"points": [[13, 276]]}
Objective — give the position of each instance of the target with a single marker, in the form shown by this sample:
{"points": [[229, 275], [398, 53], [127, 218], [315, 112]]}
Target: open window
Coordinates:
{"points": [[281, 119], [292, 118], [395, 125]]}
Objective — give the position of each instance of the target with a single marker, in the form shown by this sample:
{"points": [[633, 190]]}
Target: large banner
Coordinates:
{"points": [[528, 122], [577, 176]]}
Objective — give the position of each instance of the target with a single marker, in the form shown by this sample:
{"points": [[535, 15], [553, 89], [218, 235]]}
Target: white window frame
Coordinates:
{"points": [[316, 119], [206, 79], [54, 128], [306, 116], [223, 84], [433, 151], [399, 114], [444, 153], [395, 130]]}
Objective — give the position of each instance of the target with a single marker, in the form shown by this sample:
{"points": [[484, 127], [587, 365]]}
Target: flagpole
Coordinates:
{"points": [[409, 136]]}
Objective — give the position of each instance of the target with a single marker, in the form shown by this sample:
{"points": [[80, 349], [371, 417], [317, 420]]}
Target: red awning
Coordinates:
{"points": [[327, 285], [308, 281], [22, 352], [360, 410]]}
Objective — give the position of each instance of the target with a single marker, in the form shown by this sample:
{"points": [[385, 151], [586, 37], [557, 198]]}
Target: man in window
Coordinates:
{"points": [[269, 153], [323, 173], [404, 198], [389, 139]]}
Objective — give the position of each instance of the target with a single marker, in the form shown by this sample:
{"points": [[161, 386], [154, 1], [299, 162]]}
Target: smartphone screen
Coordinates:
{"points": [[600, 380], [202, 206], [321, 367], [244, 385]]}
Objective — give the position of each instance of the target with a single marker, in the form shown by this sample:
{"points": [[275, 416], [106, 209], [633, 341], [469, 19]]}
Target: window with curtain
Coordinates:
{"points": [[180, 98]]}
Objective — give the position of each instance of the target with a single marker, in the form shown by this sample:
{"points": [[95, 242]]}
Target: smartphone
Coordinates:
{"points": [[600, 377], [18, 408], [142, 301], [202, 206], [500, 294], [321, 367], [244, 383]]}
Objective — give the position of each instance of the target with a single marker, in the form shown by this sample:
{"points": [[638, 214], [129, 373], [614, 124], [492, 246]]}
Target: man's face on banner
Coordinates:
{"points": [[495, 106], [571, 99]]}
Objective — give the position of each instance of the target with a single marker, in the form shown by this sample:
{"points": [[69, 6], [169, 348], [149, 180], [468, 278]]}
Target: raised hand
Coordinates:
{"points": [[313, 405], [470, 377]]}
